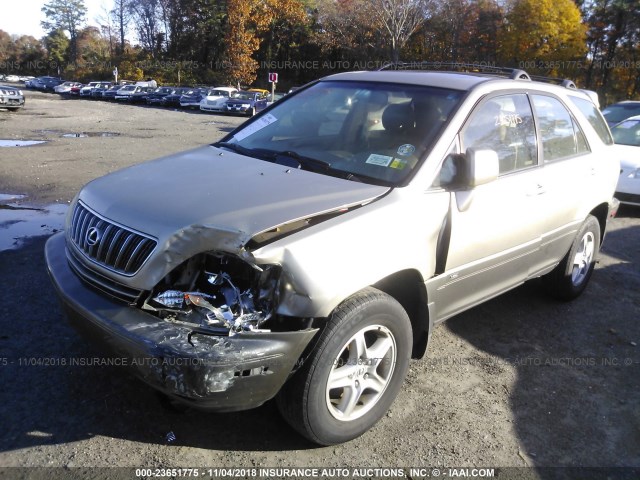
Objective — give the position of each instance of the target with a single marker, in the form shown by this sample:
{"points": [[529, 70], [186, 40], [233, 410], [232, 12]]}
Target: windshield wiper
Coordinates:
{"points": [[309, 163], [237, 148], [301, 159], [273, 155]]}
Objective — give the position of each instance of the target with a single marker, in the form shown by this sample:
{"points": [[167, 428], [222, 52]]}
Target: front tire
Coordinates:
{"points": [[569, 279], [353, 374]]}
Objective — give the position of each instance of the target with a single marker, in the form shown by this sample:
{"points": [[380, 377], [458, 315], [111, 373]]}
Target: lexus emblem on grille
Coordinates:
{"points": [[93, 236]]}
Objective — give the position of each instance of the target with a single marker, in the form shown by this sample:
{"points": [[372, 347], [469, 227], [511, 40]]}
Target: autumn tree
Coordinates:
{"points": [[68, 15], [613, 41], [546, 30], [247, 19], [346, 32]]}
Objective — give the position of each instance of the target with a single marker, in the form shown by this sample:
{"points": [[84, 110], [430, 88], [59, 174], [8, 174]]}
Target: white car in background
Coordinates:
{"points": [[127, 91], [216, 98], [65, 87], [88, 88], [626, 134]]}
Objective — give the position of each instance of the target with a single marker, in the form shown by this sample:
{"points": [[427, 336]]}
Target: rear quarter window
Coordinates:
{"points": [[594, 117]]}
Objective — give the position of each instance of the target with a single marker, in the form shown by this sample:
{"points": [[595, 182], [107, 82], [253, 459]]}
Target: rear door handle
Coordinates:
{"points": [[538, 189]]}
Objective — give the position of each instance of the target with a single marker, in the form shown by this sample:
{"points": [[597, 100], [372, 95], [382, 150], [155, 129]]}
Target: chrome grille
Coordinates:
{"points": [[108, 244], [102, 283]]}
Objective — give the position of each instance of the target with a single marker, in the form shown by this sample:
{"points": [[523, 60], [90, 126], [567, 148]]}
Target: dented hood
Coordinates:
{"points": [[220, 190]]}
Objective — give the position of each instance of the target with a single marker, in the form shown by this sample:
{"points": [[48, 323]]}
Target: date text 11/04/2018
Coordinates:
{"points": [[314, 472]]}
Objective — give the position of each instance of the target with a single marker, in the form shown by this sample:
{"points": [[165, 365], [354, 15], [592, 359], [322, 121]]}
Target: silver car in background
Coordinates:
{"points": [[308, 255]]}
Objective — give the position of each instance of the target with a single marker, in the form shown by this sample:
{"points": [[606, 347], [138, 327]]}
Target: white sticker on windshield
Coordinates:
{"points": [[259, 124], [381, 160]]}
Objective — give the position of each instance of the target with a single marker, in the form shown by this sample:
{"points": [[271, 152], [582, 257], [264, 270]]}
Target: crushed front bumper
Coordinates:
{"points": [[210, 372]]}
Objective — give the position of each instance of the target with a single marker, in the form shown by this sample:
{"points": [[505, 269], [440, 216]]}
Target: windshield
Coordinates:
{"points": [[621, 111], [627, 133], [128, 88], [218, 93], [371, 132], [244, 96]]}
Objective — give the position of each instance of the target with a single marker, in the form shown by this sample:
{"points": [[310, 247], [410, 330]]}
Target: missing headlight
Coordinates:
{"points": [[219, 292]]}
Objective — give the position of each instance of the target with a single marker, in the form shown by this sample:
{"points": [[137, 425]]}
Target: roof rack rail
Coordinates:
{"points": [[513, 73], [563, 82]]}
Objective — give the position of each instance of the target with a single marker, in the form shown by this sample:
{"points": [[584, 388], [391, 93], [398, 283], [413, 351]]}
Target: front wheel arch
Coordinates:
{"points": [[408, 288], [369, 325]]}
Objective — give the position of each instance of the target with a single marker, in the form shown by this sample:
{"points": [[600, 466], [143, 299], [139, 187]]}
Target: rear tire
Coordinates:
{"points": [[569, 279], [353, 374]]}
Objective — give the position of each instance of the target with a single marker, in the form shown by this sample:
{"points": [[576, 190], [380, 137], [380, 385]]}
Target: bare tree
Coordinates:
{"points": [[146, 18], [121, 15], [400, 19]]}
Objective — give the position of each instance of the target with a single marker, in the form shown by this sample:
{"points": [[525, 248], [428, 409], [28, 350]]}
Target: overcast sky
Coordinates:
{"points": [[24, 16]]}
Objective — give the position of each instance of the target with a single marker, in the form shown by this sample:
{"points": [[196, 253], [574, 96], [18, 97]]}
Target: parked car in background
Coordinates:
{"points": [[141, 95], [50, 85], [259, 90], [75, 91], [65, 87], [110, 93], [618, 112], [626, 134], [215, 99], [125, 92], [155, 97], [246, 103], [276, 96], [173, 99], [193, 97], [99, 91], [47, 83], [308, 254], [11, 78], [89, 87], [11, 98]]}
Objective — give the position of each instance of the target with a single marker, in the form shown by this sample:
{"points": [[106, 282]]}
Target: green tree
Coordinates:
{"points": [[548, 30], [56, 44], [68, 15]]}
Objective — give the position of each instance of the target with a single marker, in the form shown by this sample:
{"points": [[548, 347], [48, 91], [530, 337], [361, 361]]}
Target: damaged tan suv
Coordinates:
{"points": [[308, 255]]}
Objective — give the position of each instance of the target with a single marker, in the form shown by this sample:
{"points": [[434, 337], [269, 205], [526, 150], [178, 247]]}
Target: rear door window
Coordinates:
{"points": [[560, 134]]}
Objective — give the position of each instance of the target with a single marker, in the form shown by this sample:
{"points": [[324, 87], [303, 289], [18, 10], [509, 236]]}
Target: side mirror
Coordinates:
{"points": [[478, 167], [483, 166]]}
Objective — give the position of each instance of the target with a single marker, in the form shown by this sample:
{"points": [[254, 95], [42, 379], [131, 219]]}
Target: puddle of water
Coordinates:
{"points": [[90, 134], [20, 143], [5, 197], [20, 222]]}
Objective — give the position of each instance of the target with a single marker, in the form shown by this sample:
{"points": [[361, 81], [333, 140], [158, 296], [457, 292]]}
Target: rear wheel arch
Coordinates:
{"points": [[601, 212]]}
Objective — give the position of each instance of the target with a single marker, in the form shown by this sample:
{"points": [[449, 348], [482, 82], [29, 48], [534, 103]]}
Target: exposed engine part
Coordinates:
{"points": [[201, 292]]}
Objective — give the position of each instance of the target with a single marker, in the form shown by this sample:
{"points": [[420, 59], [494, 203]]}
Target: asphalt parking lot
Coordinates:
{"points": [[521, 381]]}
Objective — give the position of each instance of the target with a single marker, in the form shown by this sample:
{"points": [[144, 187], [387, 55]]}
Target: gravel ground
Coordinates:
{"points": [[521, 381]]}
